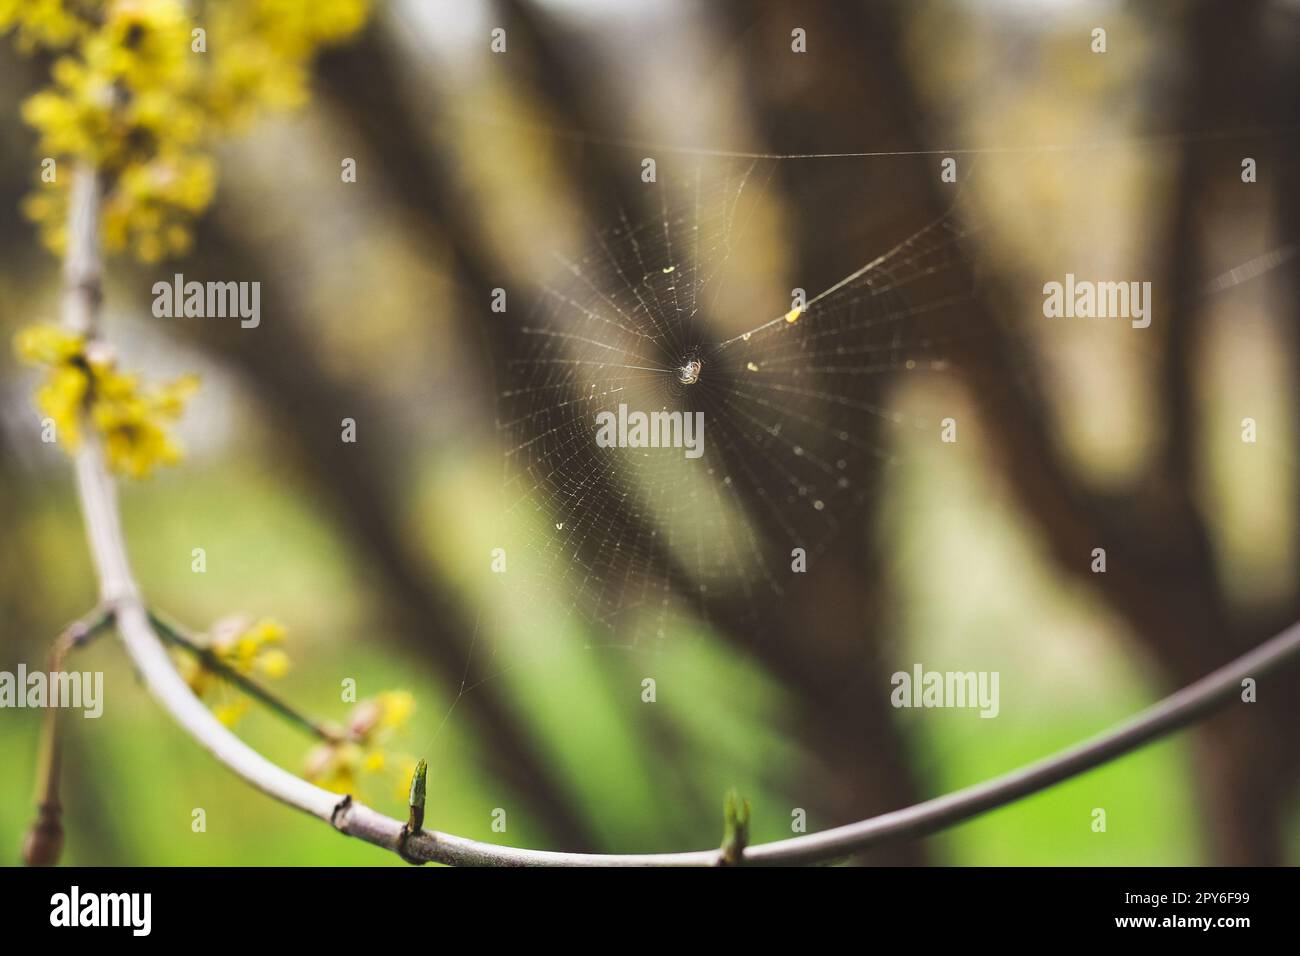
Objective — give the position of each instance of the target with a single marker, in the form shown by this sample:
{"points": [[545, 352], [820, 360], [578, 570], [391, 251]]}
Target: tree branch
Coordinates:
{"points": [[119, 590], [44, 840], [209, 659]]}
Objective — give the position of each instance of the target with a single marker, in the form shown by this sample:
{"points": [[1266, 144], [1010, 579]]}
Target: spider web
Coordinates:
{"points": [[658, 316], [641, 543]]}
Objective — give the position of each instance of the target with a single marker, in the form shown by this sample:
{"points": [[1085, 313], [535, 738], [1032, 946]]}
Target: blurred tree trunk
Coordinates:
{"points": [[1163, 581], [819, 641]]}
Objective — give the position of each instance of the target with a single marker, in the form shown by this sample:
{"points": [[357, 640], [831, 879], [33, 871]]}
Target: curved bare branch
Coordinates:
{"points": [[119, 590]]}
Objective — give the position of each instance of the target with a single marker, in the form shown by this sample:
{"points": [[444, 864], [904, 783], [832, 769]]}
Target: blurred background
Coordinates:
{"points": [[474, 171]]}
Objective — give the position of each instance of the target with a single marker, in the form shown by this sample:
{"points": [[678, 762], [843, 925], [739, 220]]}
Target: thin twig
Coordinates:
{"points": [[118, 588], [210, 660], [44, 841]]}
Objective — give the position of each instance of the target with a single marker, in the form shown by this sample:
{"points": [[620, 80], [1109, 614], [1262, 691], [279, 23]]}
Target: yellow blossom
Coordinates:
{"points": [[363, 752], [230, 712], [46, 23], [131, 95], [274, 663], [62, 397], [47, 345], [133, 419], [241, 647]]}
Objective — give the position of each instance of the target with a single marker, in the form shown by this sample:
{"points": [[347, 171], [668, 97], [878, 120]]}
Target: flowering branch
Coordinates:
{"points": [[212, 661]]}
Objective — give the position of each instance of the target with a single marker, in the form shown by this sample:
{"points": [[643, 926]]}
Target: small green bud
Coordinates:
{"points": [[416, 799], [735, 833]]}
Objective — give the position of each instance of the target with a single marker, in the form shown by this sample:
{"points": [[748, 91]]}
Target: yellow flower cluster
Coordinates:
{"points": [[340, 765], [134, 421], [144, 86], [243, 648], [266, 51], [41, 23]]}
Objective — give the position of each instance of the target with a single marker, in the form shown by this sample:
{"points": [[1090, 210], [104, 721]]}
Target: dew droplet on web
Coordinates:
{"points": [[752, 366], [668, 269], [793, 315], [819, 504]]}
